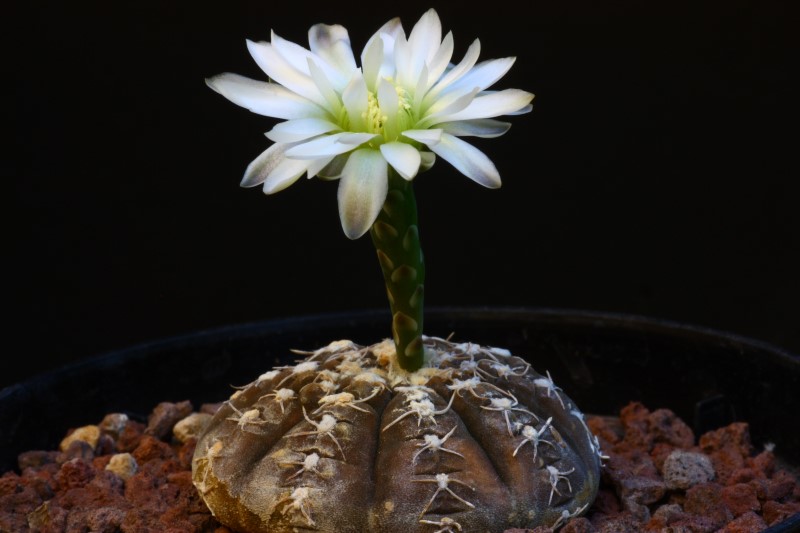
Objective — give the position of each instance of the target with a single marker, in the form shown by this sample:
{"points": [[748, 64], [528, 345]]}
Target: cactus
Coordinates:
{"points": [[474, 441]]}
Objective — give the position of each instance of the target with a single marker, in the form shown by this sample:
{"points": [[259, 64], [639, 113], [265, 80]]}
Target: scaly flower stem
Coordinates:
{"points": [[396, 238]]}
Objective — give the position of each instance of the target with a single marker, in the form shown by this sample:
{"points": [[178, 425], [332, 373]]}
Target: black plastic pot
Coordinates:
{"points": [[602, 361]]}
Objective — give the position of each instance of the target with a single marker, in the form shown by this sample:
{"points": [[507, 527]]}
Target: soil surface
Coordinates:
{"points": [[128, 476]]}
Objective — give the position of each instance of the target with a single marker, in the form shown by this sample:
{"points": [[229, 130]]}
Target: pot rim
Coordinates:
{"points": [[627, 321]]}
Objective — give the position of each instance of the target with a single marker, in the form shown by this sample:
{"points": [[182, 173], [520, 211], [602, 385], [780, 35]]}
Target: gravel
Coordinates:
{"points": [[126, 476]]}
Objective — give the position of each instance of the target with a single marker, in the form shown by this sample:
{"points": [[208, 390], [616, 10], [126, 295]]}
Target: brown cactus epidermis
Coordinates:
{"points": [[477, 441]]}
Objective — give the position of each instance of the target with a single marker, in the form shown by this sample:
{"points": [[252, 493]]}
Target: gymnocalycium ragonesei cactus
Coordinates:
{"points": [[417, 434]]}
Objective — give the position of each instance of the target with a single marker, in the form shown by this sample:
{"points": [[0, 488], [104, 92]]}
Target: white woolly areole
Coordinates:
{"points": [[305, 366]]}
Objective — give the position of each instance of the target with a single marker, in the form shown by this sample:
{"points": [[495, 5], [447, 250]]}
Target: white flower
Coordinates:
{"points": [[404, 104]]}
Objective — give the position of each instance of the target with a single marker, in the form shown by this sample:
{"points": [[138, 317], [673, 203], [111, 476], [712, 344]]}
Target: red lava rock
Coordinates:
{"points": [[165, 416], [634, 418], [9, 484], [578, 525], [75, 473], [637, 492], [665, 516], [47, 518], [735, 436], [42, 481], [71, 492], [741, 498], [637, 481], [16, 501], [105, 519], [659, 454], [77, 450], [780, 485], [634, 463], [105, 445], [694, 524], [100, 462], [749, 522], [763, 463], [775, 512], [621, 523], [705, 500], [606, 502], [150, 449], [607, 429], [185, 454], [35, 459], [728, 448], [667, 428], [130, 436], [742, 475]]}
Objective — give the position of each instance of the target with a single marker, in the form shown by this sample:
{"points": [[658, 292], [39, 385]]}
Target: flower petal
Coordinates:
{"points": [[468, 160], [469, 60], [428, 137], [371, 61], [362, 191], [315, 166], [279, 69], [438, 63], [404, 76], [427, 160], [388, 33], [527, 109], [258, 170], [268, 99], [300, 129], [483, 127], [332, 43], [325, 88], [293, 53], [448, 105], [492, 104], [286, 173], [333, 170], [298, 57], [424, 40], [356, 138], [328, 145], [404, 158], [484, 74], [355, 98], [389, 104], [419, 90], [388, 100]]}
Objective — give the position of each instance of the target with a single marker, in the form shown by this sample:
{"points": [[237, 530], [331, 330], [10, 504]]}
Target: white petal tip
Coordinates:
{"points": [[353, 233]]}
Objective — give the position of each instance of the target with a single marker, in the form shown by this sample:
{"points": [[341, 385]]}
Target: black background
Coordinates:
{"points": [[655, 175]]}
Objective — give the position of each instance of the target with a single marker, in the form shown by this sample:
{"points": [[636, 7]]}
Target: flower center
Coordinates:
{"points": [[377, 121], [374, 118]]}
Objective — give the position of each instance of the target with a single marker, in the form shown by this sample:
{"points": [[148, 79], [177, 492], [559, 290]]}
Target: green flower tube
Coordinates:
{"points": [[396, 237]]}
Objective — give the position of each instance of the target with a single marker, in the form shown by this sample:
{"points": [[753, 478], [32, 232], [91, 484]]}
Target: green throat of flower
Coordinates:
{"points": [[376, 120]]}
